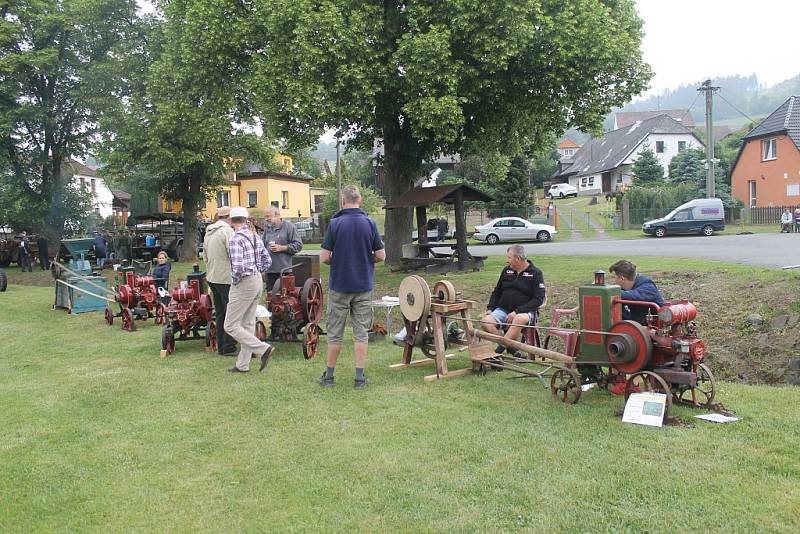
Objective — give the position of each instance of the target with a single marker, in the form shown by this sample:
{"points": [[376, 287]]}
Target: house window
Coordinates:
{"points": [[751, 187], [285, 200], [793, 190], [681, 146], [275, 204], [583, 182], [169, 205], [591, 181], [94, 186], [659, 147], [252, 199], [769, 149], [223, 198]]}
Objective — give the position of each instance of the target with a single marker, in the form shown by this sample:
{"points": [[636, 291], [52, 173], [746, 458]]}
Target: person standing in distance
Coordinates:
{"points": [[249, 260], [282, 242], [218, 274], [352, 246]]}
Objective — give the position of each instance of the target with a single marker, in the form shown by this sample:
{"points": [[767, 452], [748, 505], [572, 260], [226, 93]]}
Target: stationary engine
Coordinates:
{"points": [[190, 310], [137, 298], [293, 309]]}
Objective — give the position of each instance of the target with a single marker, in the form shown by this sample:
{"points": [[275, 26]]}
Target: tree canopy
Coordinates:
{"points": [[441, 76], [57, 61]]}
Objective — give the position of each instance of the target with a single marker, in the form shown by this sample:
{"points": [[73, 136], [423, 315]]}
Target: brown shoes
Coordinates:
{"points": [[265, 357]]}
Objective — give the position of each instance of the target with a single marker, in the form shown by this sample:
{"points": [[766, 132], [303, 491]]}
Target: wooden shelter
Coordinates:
{"points": [[423, 256]]}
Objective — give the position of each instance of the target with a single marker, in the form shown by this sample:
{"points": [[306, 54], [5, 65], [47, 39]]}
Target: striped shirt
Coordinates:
{"points": [[248, 255]]}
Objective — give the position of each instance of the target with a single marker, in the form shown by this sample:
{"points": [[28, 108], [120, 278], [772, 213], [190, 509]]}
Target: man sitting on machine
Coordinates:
{"points": [[516, 298], [635, 287]]}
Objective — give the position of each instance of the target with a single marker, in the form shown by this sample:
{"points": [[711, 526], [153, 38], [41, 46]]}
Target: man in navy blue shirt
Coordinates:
{"points": [[635, 287], [352, 246]]}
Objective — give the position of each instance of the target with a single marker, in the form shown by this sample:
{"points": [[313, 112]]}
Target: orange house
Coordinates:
{"points": [[767, 168]]}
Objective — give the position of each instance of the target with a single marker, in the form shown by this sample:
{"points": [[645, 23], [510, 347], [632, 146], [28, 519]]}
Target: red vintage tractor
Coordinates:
{"points": [[138, 298], [189, 312], [294, 309]]}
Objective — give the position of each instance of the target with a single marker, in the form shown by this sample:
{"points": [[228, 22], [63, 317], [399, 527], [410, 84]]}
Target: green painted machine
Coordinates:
{"points": [[80, 290], [597, 315]]}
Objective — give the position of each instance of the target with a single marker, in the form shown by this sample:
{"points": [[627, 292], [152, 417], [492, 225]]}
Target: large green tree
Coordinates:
{"points": [[688, 167], [58, 59], [441, 76], [173, 131]]}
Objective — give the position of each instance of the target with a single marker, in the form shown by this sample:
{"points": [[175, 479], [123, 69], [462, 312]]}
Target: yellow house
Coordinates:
{"points": [[257, 189]]}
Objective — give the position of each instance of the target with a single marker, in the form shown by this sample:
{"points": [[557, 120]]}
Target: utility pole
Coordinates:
{"points": [[338, 174], [709, 91]]}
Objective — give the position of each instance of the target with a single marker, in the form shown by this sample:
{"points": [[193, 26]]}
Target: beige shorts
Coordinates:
{"points": [[358, 306]]}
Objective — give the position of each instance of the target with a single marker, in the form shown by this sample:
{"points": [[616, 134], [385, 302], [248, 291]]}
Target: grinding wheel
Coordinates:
{"points": [[415, 298], [444, 291]]}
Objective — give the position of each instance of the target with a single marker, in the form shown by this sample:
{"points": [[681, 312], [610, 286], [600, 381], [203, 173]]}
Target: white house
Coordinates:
{"points": [[604, 165], [103, 197]]}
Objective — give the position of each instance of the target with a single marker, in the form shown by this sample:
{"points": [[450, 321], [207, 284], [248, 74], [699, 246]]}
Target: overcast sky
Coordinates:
{"points": [[691, 40]]}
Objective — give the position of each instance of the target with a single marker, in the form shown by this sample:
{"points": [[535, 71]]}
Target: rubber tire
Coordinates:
{"points": [[492, 239], [543, 236], [707, 230], [3, 281], [660, 231]]}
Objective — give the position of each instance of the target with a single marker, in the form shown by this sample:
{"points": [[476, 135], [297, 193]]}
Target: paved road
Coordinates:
{"points": [[771, 250]]}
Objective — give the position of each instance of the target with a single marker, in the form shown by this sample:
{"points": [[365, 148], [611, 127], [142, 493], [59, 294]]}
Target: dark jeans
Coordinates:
{"points": [[219, 293], [25, 262]]}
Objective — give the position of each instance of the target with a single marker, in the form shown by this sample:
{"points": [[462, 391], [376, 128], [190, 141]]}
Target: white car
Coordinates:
{"points": [[513, 229], [562, 191]]}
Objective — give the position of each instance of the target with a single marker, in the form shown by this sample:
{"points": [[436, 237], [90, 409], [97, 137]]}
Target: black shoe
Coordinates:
{"points": [[361, 384], [265, 357], [235, 369], [324, 381], [499, 349]]}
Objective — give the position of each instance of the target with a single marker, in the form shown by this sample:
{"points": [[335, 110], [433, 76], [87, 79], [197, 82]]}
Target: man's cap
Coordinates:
{"points": [[223, 212], [238, 211]]}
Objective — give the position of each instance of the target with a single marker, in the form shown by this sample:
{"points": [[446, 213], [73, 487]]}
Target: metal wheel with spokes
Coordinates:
{"points": [[161, 314], [492, 239], [543, 236], [211, 335], [702, 394], [660, 231], [109, 315], [311, 341], [708, 230], [128, 320], [565, 386], [168, 339]]}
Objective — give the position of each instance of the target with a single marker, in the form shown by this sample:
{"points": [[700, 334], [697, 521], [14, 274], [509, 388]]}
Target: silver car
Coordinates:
{"points": [[513, 229]]}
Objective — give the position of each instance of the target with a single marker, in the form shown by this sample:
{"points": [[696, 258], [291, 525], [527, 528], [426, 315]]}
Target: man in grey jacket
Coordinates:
{"points": [[282, 242], [218, 274]]}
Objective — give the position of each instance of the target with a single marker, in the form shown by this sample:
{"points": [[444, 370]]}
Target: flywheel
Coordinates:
{"points": [[628, 346], [415, 298]]}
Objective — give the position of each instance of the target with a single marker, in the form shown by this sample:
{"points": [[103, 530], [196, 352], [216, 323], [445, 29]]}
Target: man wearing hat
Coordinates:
{"points": [[218, 274], [249, 260]]}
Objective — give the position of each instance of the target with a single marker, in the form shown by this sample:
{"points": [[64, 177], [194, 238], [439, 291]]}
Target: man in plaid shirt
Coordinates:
{"points": [[249, 259]]}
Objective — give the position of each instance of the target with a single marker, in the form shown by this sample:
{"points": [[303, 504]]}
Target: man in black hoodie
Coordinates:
{"points": [[516, 298]]}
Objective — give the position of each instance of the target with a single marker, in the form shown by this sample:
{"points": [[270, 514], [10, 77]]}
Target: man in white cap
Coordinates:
{"points": [[249, 259], [218, 274]]}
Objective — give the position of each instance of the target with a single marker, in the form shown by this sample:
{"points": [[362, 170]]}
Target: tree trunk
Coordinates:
{"points": [[188, 251]]}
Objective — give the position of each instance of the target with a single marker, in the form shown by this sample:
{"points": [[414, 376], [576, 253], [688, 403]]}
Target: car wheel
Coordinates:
{"points": [[660, 231], [708, 230], [492, 239], [543, 236]]}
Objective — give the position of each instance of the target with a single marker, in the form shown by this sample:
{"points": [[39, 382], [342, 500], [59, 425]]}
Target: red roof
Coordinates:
{"points": [[568, 143]]}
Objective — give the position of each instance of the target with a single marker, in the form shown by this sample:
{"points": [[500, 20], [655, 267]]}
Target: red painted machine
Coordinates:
{"points": [[189, 312], [137, 297], [294, 309]]}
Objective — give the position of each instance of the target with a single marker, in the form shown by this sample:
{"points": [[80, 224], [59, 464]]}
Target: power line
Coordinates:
{"points": [[688, 111], [735, 108]]}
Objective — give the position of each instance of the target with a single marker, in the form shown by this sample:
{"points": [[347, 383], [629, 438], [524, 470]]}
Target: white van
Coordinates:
{"points": [[699, 216]]}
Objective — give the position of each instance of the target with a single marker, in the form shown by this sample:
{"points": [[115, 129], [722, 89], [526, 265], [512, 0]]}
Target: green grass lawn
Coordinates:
{"points": [[100, 434]]}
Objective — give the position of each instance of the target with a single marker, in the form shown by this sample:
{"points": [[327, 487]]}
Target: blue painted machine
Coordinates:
{"points": [[81, 290]]}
